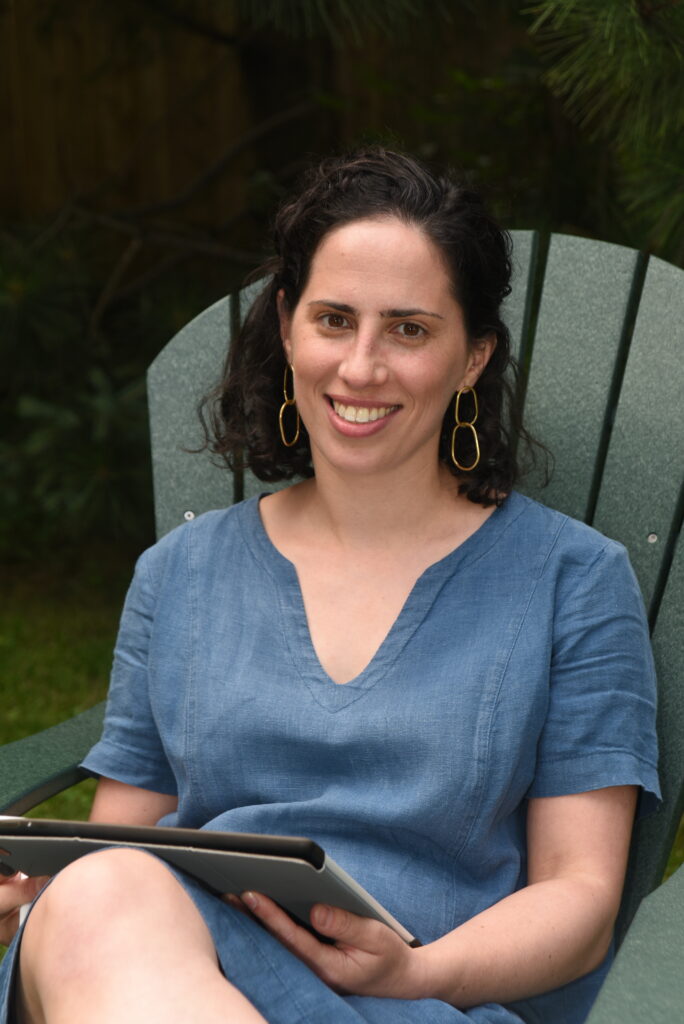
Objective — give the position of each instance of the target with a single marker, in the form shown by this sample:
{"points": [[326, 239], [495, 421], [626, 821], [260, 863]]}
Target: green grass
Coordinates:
{"points": [[57, 629]]}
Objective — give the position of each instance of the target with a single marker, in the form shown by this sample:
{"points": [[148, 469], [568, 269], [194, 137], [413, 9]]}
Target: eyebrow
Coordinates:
{"points": [[342, 307]]}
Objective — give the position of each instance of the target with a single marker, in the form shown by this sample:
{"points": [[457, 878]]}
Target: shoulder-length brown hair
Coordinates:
{"points": [[241, 415]]}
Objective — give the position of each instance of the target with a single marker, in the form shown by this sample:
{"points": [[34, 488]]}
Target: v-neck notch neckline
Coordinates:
{"points": [[294, 623]]}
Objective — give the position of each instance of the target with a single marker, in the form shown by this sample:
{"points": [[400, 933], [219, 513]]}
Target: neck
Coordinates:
{"points": [[367, 511]]}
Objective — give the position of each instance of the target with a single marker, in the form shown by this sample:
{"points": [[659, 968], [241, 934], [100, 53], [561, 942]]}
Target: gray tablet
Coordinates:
{"points": [[293, 871]]}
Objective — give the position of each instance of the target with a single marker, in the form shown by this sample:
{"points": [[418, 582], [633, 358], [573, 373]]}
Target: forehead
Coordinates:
{"points": [[380, 255]]}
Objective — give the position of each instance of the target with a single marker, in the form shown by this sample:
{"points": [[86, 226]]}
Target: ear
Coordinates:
{"points": [[285, 319], [480, 353]]}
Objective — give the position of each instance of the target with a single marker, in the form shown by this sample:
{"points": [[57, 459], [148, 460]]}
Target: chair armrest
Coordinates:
{"points": [[37, 767], [646, 982]]}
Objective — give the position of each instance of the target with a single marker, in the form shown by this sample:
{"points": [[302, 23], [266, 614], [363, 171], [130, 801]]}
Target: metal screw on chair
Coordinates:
{"points": [[652, 538], [188, 515]]}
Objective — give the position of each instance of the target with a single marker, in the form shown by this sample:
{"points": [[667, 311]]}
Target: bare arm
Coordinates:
{"points": [[560, 925], [121, 804], [554, 930]]}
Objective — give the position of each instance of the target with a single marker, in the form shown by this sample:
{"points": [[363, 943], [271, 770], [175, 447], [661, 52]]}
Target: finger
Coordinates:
{"points": [[293, 936], [18, 890], [29, 888], [349, 929], [237, 904], [274, 918]]}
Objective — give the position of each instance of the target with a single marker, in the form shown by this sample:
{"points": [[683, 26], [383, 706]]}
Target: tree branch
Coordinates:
{"points": [[107, 293], [53, 229], [162, 236], [167, 263], [214, 170], [187, 23]]}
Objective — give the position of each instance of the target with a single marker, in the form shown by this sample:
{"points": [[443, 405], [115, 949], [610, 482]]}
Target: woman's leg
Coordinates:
{"points": [[116, 937]]}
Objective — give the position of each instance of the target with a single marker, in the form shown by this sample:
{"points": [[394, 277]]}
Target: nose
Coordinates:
{"points": [[363, 365]]}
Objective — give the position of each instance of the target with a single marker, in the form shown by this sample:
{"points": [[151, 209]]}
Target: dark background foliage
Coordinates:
{"points": [[148, 142]]}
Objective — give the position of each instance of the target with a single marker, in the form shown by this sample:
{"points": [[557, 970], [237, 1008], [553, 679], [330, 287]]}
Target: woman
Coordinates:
{"points": [[445, 684]]}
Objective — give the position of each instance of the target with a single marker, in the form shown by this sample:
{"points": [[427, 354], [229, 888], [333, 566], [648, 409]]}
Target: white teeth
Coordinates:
{"points": [[362, 414]]}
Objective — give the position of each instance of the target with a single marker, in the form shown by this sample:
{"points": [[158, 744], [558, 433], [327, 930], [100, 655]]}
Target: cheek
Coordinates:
{"points": [[436, 388], [310, 358]]}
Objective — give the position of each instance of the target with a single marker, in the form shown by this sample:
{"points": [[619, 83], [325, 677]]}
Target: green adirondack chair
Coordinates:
{"points": [[600, 328]]}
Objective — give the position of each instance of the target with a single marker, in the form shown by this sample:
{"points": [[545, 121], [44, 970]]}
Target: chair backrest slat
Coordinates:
{"points": [[183, 372], [639, 501], [655, 833], [584, 306], [516, 308]]}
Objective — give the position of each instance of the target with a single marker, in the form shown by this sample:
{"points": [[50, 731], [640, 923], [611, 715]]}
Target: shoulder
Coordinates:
{"points": [[585, 576], [560, 542], [207, 539]]}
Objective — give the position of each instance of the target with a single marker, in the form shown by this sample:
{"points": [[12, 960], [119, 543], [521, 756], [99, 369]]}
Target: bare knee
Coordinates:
{"points": [[117, 930], [86, 919], [97, 902]]}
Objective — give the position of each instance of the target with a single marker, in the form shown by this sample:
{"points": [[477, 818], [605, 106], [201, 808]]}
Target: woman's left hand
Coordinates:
{"points": [[367, 957]]}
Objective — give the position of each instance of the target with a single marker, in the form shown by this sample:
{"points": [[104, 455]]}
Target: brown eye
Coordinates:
{"points": [[411, 330], [334, 320]]}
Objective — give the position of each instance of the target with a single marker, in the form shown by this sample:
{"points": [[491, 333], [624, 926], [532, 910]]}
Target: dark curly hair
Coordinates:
{"points": [[241, 421]]}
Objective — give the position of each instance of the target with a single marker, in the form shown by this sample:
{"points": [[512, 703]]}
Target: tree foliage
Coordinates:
{"points": [[618, 68], [341, 19], [616, 65], [568, 113]]}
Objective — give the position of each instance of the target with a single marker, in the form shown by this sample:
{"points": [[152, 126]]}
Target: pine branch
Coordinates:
{"points": [[619, 69], [651, 187]]}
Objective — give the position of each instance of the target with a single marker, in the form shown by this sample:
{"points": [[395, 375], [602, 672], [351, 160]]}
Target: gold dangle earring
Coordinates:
{"points": [[465, 425], [287, 402]]}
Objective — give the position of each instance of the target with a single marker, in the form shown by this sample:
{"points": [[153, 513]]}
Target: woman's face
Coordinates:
{"points": [[378, 346]]}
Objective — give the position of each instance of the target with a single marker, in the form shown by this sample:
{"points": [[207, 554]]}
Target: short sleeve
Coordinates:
{"points": [[600, 725], [131, 749]]}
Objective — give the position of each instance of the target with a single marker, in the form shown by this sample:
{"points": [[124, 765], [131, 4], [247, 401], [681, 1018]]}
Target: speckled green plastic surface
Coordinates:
{"points": [[645, 464], [185, 483], [35, 768], [584, 302], [514, 310], [646, 982], [655, 833]]}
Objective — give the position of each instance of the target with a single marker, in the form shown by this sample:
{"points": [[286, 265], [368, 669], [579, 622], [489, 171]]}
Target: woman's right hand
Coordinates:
{"points": [[14, 892]]}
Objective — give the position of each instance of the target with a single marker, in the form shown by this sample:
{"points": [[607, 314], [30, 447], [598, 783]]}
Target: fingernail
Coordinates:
{"points": [[250, 899], [322, 916]]}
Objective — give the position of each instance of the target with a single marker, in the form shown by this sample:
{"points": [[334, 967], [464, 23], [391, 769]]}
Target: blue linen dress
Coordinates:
{"points": [[519, 667]]}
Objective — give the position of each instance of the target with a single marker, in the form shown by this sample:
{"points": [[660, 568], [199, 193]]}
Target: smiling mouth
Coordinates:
{"points": [[362, 413]]}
